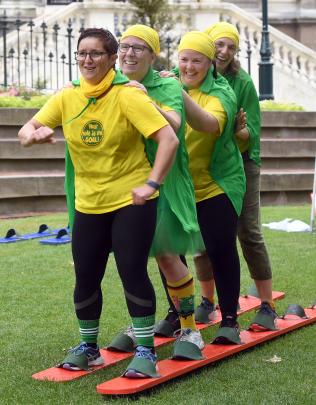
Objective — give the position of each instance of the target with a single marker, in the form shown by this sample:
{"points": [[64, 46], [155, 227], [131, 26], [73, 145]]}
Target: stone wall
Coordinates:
{"points": [[31, 179]]}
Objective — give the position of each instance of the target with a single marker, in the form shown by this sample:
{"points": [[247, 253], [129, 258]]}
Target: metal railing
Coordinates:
{"points": [[40, 58]]}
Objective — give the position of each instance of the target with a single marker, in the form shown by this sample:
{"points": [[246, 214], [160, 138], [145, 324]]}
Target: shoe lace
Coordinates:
{"points": [[183, 334], [206, 304], [79, 349], [266, 309], [146, 353], [229, 322]]}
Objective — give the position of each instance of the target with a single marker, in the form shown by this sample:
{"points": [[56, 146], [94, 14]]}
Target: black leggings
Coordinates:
{"points": [[218, 223], [128, 232]]}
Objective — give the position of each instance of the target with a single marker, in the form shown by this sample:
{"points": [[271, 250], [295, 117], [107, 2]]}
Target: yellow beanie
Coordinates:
{"points": [[198, 41], [223, 29], [147, 34]]}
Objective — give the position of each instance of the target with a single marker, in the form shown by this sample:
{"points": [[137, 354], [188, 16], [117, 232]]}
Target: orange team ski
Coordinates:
{"points": [[247, 303], [169, 369]]}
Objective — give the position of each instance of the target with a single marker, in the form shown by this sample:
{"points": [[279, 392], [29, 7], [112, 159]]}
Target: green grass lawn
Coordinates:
{"points": [[37, 322]]}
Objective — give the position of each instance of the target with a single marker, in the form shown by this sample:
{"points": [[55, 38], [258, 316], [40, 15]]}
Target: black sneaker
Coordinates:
{"points": [[166, 327], [264, 319], [205, 312], [228, 332]]}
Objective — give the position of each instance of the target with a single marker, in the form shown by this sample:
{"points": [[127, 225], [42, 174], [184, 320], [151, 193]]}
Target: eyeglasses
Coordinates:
{"points": [[93, 55], [138, 49]]}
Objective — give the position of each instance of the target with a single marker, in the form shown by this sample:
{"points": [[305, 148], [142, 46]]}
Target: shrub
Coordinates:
{"points": [[272, 105]]}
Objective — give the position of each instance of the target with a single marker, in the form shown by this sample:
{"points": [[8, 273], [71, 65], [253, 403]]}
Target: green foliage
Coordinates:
{"points": [[25, 101], [158, 15], [271, 105], [37, 322], [152, 12], [22, 97]]}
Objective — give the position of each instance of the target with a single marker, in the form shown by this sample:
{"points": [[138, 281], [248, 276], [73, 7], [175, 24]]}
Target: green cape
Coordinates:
{"points": [[177, 230], [226, 165], [247, 99]]}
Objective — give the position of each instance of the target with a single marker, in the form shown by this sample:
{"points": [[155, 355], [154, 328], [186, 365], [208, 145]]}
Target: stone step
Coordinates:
{"points": [[275, 163], [12, 149], [16, 184], [28, 206], [34, 165], [287, 133], [295, 197], [293, 147], [287, 180], [293, 119]]}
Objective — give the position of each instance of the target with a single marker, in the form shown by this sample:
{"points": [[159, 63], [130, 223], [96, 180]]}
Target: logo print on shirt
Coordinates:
{"points": [[92, 133]]}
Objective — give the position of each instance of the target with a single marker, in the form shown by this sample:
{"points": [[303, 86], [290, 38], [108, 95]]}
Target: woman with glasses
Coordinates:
{"points": [[226, 39], [177, 231], [104, 123]]}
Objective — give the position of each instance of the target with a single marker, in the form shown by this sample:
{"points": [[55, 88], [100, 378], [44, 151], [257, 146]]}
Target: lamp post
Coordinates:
{"points": [[265, 64], [168, 41]]}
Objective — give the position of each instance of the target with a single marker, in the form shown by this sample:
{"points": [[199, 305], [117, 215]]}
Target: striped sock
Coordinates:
{"points": [[143, 328], [182, 294], [89, 330]]}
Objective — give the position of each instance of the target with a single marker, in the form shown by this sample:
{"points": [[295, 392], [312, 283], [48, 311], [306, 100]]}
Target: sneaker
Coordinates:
{"points": [[168, 326], [124, 341], [192, 336], [228, 332], [265, 319], [188, 345], [205, 312], [143, 365], [82, 357]]}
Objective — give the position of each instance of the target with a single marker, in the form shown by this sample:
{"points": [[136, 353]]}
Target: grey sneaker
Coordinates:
{"points": [[205, 312], [143, 365], [188, 345], [82, 357], [192, 336], [124, 342], [265, 318]]}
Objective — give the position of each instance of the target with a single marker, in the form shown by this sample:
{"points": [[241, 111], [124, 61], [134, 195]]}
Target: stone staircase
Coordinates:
{"points": [[288, 151], [32, 179]]}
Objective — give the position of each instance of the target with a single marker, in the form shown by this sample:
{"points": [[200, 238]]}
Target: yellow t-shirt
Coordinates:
{"points": [[105, 143], [200, 146], [243, 145]]}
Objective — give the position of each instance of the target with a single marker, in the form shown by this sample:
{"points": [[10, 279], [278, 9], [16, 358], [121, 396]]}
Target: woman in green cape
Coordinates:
{"points": [[217, 171], [226, 39]]}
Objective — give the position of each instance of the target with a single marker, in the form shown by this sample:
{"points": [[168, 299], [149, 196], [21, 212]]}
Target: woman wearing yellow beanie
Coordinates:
{"points": [[177, 230], [216, 168], [226, 39]]}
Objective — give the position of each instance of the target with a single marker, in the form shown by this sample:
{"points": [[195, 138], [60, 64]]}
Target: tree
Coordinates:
{"points": [[154, 13]]}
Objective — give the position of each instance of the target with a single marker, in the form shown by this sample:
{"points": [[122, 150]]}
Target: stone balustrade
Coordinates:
{"points": [[294, 63]]}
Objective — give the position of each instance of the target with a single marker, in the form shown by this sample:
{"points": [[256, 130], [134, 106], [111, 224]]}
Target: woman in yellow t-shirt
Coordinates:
{"points": [[116, 191], [216, 168]]}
